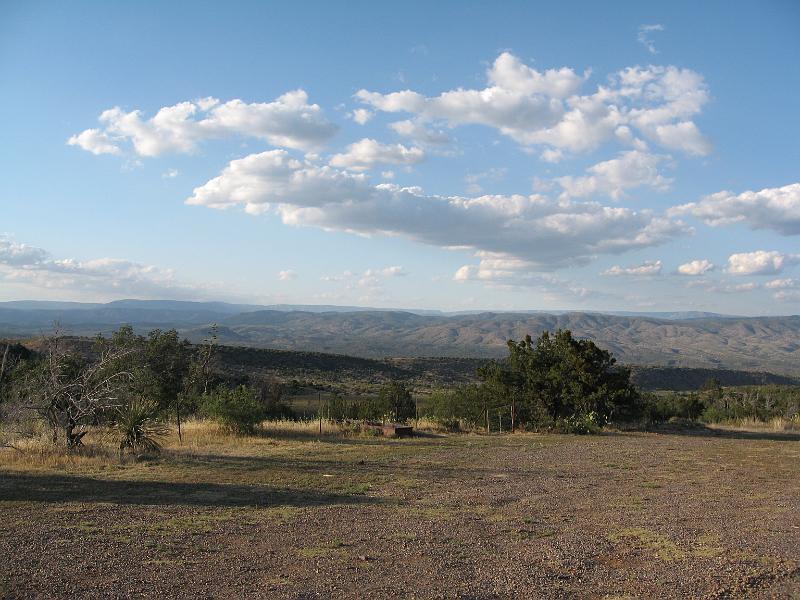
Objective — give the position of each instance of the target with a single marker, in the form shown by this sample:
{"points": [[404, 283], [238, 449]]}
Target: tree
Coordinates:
{"points": [[238, 409], [270, 392], [559, 377], [12, 356], [161, 365], [197, 377], [71, 391], [396, 400]]}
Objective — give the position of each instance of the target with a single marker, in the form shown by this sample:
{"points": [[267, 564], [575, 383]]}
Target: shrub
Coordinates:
{"points": [[139, 427], [589, 423], [238, 409]]}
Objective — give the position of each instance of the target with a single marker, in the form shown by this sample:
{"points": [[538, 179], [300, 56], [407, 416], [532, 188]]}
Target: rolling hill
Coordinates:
{"points": [[693, 340]]}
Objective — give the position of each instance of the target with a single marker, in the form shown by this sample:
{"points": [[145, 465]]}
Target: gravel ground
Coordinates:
{"points": [[625, 515]]}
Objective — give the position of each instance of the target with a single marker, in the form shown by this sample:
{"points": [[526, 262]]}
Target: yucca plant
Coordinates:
{"points": [[138, 427]]}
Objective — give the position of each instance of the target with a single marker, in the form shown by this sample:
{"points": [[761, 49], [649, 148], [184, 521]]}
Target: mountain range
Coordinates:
{"points": [[676, 339]]}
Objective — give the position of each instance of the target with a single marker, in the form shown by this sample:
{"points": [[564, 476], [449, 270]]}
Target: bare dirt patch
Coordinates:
{"points": [[611, 516]]}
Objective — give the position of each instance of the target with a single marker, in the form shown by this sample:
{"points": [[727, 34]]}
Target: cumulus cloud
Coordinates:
{"points": [[777, 209], [170, 174], [551, 233], [288, 121], [421, 134], [646, 269], [287, 275], [545, 107], [760, 262], [782, 284], [501, 270], [631, 169], [696, 267], [16, 254], [94, 141], [374, 278], [552, 156], [644, 38], [23, 264], [367, 152], [724, 288], [787, 295], [362, 115]]}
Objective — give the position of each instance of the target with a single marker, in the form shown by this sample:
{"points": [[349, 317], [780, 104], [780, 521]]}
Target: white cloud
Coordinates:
{"points": [[473, 180], [552, 156], [613, 177], [387, 174], [170, 174], [288, 121], [500, 270], [777, 209], [646, 269], [787, 296], [16, 254], [551, 233], [393, 271], [696, 267], [545, 107], [760, 262], [722, 287], [362, 115], [733, 289], [374, 278], [782, 284], [420, 133], [367, 152], [287, 275], [94, 141], [111, 277], [643, 36], [681, 136]]}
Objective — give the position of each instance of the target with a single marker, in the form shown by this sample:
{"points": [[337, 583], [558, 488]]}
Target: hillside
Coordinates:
{"points": [[760, 344], [696, 340]]}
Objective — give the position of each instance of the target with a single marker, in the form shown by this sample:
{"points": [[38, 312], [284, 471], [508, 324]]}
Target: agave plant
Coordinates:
{"points": [[139, 427]]}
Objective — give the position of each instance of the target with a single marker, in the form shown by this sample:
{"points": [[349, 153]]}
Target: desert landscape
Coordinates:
{"points": [[326, 300]]}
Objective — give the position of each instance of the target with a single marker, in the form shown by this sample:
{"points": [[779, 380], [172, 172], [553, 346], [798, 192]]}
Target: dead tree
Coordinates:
{"points": [[71, 392]]}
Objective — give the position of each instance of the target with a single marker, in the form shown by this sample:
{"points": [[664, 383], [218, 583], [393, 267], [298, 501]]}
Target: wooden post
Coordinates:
{"points": [[178, 418], [487, 421], [500, 419], [319, 398], [512, 416]]}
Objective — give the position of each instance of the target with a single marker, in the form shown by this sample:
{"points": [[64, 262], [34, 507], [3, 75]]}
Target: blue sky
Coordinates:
{"points": [[454, 155]]}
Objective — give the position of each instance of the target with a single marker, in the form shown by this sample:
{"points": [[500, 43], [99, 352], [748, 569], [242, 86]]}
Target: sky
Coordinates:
{"points": [[450, 155]]}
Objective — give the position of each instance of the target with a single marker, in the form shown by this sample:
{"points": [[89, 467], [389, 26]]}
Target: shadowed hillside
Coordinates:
{"points": [[763, 343], [696, 341]]}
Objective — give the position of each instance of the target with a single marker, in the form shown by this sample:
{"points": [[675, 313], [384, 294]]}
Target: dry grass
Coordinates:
{"points": [[34, 448], [777, 424]]}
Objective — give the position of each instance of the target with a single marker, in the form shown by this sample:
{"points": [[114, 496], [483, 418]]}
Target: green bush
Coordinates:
{"points": [[590, 423], [139, 427], [238, 409]]}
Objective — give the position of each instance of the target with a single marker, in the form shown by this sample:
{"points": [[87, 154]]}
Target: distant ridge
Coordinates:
{"points": [[672, 339], [232, 308]]}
